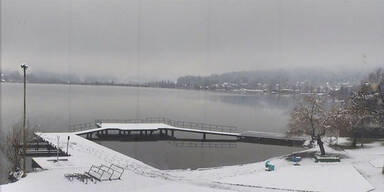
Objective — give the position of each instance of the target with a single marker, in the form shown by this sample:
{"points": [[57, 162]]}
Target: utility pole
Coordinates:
{"points": [[25, 67], [68, 144], [58, 148]]}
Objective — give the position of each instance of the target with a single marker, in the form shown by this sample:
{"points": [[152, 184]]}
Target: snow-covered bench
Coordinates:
{"points": [[326, 158]]}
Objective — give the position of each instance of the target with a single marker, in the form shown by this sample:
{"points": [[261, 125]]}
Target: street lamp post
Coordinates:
{"points": [[24, 67]]}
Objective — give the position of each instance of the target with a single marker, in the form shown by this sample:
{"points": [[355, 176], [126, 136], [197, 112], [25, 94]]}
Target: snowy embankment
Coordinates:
{"points": [[308, 176], [359, 171]]}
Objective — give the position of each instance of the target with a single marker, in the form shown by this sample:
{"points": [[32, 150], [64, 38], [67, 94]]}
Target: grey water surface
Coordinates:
{"points": [[53, 107]]}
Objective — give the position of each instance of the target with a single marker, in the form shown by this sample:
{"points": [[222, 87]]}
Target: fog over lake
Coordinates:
{"points": [[141, 41], [54, 107]]}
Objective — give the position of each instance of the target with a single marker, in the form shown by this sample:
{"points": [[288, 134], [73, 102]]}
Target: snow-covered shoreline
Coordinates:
{"points": [[361, 171]]}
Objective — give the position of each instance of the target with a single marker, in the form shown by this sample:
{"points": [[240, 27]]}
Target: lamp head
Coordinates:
{"points": [[24, 66]]}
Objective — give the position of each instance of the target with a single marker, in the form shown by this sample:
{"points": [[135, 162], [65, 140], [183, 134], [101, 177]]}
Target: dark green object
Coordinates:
{"points": [[326, 158]]}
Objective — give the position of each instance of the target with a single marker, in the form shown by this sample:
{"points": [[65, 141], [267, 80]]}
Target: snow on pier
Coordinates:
{"points": [[138, 176], [162, 129], [84, 153], [151, 127]]}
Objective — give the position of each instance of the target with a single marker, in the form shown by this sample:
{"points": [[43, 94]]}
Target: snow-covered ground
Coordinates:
{"points": [[360, 170]]}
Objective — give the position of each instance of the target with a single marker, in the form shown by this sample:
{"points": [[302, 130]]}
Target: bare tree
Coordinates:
{"points": [[12, 145], [351, 116], [336, 120], [375, 88], [13, 142], [359, 112], [4, 166], [305, 117], [378, 86], [309, 118]]}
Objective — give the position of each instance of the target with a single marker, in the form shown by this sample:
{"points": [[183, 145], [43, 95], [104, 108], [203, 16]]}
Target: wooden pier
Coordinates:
{"points": [[161, 131]]}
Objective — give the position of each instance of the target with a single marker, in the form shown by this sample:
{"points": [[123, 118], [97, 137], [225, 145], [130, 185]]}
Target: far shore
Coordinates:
{"points": [[237, 92]]}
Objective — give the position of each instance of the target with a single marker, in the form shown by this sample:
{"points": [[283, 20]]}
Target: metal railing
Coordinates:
{"points": [[216, 145], [174, 123]]}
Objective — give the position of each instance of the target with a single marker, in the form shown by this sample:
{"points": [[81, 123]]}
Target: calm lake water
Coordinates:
{"points": [[55, 107]]}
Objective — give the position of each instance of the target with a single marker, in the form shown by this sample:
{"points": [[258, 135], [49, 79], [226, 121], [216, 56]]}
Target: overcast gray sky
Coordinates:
{"points": [[163, 39]]}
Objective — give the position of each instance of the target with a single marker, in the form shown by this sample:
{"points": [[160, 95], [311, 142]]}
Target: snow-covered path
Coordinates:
{"points": [[349, 175], [369, 161]]}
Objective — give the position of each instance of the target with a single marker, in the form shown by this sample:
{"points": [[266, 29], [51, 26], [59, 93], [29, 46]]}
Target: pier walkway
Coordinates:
{"points": [[148, 128]]}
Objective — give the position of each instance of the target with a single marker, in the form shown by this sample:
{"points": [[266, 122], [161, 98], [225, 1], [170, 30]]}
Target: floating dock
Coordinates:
{"points": [[143, 130]]}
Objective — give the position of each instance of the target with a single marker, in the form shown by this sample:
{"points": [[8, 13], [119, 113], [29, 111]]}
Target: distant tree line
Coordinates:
{"points": [[304, 80], [259, 79]]}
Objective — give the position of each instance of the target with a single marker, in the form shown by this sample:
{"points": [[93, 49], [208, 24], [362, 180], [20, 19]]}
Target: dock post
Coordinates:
{"points": [[204, 136], [173, 133]]}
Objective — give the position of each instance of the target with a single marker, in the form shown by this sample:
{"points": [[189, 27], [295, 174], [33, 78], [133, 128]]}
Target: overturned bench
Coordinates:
{"points": [[105, 173]]}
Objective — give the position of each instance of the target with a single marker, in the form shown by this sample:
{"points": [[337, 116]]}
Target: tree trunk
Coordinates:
{"points": [[354, 141], [321, 145]]}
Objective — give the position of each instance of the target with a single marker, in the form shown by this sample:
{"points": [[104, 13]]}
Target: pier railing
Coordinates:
{"points": [[180, 124], [209, 145]]}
